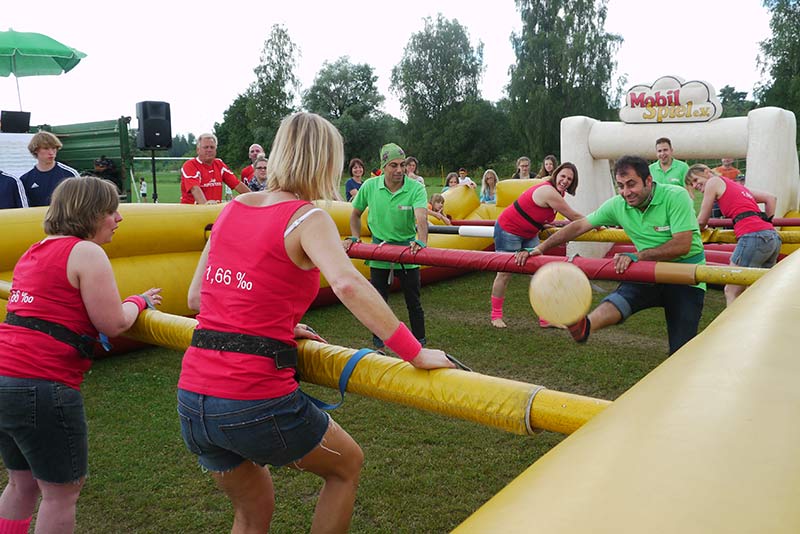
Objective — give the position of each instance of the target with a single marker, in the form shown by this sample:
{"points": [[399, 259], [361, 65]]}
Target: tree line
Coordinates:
{"points": [[565, 65]]}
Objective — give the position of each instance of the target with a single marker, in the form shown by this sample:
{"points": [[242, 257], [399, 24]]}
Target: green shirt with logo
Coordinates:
{"points": [[673, 176], [391, 215], [671, 211]]}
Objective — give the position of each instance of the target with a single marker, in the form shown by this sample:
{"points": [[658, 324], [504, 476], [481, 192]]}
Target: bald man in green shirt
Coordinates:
{"points": [[660, 221]]}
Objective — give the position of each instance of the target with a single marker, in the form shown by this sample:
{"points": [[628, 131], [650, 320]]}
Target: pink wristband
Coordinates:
{"points": [[403, 343], [139, 300]]}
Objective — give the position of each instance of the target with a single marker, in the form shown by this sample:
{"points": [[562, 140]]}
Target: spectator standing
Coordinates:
{"points": [[143, 189], [258, 182], [463, 179], [203, 176], [12, 192], [666, 169], [523, 168], [248, 172], [489, 187], [548, 166], [353, 184], [411, 170], [42, 179], [728, 170], [398, 215], [451, 180]]}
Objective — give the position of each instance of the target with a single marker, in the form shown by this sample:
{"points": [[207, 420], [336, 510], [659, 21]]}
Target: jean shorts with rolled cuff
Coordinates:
{"points": [[757, 249], [683, 306], [508, 242], [43, 429], [223, 433]]}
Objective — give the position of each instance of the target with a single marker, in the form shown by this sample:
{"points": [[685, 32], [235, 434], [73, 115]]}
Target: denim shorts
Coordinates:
{"points": [[43, 429], [223, 433], [683, 306], [508, 242], [757, 249]]}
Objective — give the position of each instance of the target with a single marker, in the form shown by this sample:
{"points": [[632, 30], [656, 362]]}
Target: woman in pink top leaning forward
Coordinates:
{"points": [[758, 244], [518, 226], [62, 294], [238, 400]]}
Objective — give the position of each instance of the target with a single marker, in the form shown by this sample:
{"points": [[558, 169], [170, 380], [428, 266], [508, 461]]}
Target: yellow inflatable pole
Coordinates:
{"points": [[505, 404], [705, 443]]}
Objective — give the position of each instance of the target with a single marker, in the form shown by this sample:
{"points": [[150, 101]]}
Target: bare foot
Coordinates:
{"points": [[498, 323]]}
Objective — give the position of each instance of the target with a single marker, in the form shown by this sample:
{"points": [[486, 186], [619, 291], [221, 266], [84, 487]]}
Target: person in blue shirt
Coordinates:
{"points": [[42, 179], [12, 194], [489, 187], [356, 179]]}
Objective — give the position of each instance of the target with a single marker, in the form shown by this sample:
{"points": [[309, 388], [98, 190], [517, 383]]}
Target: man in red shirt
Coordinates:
{"points": [[203, 176], [249, 171]]}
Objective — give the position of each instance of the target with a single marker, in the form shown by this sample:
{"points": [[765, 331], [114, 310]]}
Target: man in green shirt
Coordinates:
{"points": [[667, 170], [398, 215], [660, 221]]}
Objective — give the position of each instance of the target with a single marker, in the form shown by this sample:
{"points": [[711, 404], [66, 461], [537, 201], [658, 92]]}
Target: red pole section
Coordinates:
{"points": [[473, 260], [728, 223]]}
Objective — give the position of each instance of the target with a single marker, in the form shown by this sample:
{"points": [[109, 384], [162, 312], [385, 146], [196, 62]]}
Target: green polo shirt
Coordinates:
{"points": [[391, 215], [674, 175], [671, 211]]}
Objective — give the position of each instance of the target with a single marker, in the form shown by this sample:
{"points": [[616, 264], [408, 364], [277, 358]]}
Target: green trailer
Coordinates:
{"points": [[88, 142]]}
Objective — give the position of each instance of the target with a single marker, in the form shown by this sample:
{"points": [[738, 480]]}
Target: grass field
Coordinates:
{"points": [[423, 473]]}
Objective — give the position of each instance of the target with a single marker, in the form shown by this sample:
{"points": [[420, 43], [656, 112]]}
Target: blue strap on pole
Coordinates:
{"points": [[343, 379]]}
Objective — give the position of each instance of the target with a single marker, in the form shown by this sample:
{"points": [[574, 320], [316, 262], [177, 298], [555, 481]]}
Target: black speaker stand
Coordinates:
{"points": [[153, 168]]}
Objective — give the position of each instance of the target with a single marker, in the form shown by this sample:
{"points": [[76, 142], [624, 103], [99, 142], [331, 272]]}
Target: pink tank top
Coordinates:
{"points": [[512, 222], [40, 288], [737, 199], [250, 286]]}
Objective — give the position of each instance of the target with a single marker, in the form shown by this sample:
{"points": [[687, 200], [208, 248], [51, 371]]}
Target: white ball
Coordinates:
{"points": [[560, 293]]}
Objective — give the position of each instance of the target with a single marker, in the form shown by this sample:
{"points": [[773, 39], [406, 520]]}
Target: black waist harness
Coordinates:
{"points": [[527, 217], [83, 343], [746, 214], [283, 354]]}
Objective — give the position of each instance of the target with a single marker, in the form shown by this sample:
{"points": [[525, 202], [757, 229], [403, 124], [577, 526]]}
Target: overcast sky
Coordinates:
{"points": [[199, 56]]}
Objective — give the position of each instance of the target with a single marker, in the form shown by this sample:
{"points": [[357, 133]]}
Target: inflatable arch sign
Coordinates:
{"points": [[671, 99]]}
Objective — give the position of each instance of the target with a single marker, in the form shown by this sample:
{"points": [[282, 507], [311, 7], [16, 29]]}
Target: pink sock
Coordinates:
{"points": [[15, 526], [497, 307]]}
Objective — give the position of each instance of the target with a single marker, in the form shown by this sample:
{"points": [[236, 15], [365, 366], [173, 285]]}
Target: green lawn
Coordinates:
{"points": [[423, 473]]}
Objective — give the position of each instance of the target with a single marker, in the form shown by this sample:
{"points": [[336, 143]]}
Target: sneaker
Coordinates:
{"points": [[499, 323], [580, 330]]}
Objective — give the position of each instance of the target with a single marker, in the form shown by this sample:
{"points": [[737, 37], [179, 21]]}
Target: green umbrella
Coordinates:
{"points": [[34, 54]]}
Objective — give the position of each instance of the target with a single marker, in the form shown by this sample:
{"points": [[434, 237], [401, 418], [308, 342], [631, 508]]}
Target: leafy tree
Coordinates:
{"points": [[271, 97], [255, 115], [564, 67], [342, 87], [439, 68], [469, 134], [234, 134], [182, 146], [781, 57], [735, 103], [364, 138]]}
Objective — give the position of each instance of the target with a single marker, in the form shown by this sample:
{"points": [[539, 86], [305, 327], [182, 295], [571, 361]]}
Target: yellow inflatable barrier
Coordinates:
{"points": [[707, 442]]}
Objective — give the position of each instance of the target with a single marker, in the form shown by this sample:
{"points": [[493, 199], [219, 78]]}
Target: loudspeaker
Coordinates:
{"points": [[155, 127], [15, 121]]}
